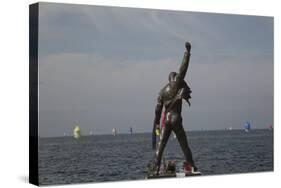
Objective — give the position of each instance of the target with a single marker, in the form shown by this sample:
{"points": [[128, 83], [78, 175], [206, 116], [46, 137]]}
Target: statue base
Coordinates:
{"points": [[169, 171]]}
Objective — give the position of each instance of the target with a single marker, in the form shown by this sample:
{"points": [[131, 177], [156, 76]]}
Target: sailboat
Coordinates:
{"points": [[114, 131], [77, 132], [247, 126], [131, 130]]}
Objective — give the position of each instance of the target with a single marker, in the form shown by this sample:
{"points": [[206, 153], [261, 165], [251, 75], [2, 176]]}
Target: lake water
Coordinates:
{"points": [[99, 158]]}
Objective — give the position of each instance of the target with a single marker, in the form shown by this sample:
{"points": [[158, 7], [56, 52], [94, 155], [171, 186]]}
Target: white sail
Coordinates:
{"points": [[77, 132], [114, 131]]}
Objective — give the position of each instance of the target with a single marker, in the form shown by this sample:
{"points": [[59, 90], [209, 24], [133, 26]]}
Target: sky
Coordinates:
{"points": [[103, 67]]}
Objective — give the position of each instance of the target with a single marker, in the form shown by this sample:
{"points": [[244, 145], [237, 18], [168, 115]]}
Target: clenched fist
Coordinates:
{"points": [[188, 46]]}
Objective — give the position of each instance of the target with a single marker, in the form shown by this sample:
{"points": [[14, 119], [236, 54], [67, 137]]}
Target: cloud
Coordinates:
{"points": [[89, 88], [103, 67]]}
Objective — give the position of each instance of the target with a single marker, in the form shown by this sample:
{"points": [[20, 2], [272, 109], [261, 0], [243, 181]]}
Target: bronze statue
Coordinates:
{"points": [[171, 98]]}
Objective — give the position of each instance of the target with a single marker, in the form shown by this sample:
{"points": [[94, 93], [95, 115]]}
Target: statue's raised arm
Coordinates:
{"points": [[184, 64]]}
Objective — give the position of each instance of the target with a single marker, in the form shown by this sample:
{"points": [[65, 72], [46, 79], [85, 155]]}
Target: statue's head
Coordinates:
{"points": [[172, 76]]}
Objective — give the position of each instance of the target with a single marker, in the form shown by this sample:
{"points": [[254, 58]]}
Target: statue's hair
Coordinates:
{"points": [[172, 75]]}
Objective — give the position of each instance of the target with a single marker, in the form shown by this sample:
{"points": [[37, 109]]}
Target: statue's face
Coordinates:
{"points": [[172, 76]]}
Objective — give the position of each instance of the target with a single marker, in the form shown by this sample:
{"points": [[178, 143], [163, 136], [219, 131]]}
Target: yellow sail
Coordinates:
{"points": [[76, 132]]}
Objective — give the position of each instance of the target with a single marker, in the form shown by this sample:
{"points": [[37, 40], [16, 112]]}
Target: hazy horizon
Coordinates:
{"points": [[148, 132], [102, 68]]}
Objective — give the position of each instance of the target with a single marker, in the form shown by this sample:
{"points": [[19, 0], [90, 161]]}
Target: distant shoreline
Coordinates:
{"points": [[137, 133]]}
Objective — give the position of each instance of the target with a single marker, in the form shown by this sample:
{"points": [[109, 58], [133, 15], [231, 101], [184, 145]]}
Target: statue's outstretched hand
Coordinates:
{"points": [[188, 46]]}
